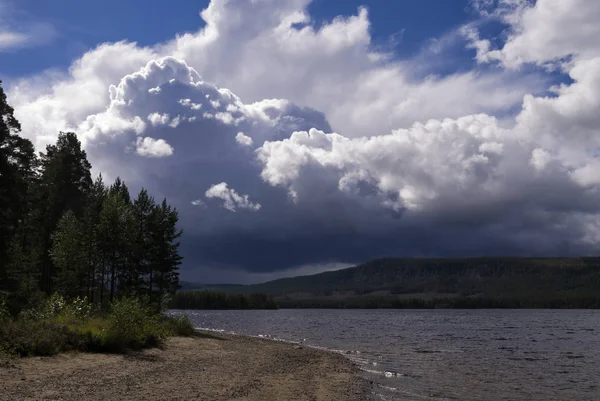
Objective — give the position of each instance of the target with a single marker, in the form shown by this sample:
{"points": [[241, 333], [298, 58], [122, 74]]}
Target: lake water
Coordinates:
{"points": [[438, 355]]}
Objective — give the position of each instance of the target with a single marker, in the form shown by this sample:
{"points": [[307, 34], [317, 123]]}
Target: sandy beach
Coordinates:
{"points": [[208, 367]]}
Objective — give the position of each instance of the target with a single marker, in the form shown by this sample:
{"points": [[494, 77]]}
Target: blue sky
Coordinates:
{"points": [[425, 128]]}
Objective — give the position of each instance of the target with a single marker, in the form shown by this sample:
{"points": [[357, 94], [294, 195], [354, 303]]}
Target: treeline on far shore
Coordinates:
{"points": [[220, 300], [584, 302]]}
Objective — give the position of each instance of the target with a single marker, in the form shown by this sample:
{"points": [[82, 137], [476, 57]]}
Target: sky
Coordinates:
{"points": [[299, 136]]}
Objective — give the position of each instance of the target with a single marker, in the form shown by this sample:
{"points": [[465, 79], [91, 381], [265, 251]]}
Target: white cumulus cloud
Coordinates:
{"points": [[158, 119], [150, 147], [231, 199], [243, 139], [335, 70], [199, 203], [351, 153], [544, 32]]}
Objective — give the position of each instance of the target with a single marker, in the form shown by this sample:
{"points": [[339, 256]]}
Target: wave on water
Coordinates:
{"points": [[283, 340], [261, 336]]}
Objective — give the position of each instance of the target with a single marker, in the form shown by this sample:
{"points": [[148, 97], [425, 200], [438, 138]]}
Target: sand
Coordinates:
{"points": [[208, 366]]}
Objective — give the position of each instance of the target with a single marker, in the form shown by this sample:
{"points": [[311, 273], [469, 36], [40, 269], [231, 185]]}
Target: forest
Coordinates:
{"points": [[389, 302], [484, 282], [77, 255], [220, 300]]}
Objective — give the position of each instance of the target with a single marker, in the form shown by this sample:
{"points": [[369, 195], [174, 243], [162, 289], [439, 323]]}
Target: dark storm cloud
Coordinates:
{"points": [[295, 195], [450, 183]]}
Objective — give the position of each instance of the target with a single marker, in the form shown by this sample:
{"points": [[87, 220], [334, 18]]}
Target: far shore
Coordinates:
{"points": [[208, 366]]}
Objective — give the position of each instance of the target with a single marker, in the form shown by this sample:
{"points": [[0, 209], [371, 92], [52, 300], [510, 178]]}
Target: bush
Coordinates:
{"points": [[132, 325], [180, 325], [59, 326], [26, 338], [4, 312], [56, 308], [52, 328]]}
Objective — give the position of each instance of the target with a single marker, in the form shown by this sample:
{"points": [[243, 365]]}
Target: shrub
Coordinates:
{"points": [[132, 325], [56, 308], [78, 309], [59, 326], [27, 338], [47, 330], [180, 325], [55, 304], [4, 312]]}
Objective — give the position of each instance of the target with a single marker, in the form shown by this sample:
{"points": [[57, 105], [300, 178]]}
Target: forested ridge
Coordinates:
{"points": [[486, 282]]}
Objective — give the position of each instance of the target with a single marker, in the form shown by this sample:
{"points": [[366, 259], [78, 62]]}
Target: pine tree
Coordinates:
{"points": [[68, 256], [91, 236], [64, 184], [164, 256], [17, 170], [59, 231], [24, 254], [139, 268], [114, 234], [119, 187]]}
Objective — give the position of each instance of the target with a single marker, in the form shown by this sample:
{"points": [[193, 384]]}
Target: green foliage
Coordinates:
{"points": [[63, 185], [80, 309], [70, 246], [17, 175], [57, 309], [114, 234], [61, 232], [180, 325], [55, 305], [68, 255], [44, 338], [133, 325], [220, 300], [4, 312], [46, 330], [164, 259], [59, 325]]}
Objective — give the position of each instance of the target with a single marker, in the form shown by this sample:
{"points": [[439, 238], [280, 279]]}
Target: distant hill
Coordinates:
{"points": [[190, 286], [495, 281]]}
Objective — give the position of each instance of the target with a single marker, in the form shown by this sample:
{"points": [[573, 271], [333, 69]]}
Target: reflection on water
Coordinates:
{"points": [[446, 354]]}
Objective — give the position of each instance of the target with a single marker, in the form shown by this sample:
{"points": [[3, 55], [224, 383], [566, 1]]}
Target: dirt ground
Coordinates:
{"points": [[210, 367]]}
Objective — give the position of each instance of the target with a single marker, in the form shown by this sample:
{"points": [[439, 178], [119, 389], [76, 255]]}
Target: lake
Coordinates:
{"points": [[439, 355]]}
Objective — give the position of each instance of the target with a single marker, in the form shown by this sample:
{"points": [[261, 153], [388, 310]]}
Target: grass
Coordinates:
{"points": [[61, 326]]}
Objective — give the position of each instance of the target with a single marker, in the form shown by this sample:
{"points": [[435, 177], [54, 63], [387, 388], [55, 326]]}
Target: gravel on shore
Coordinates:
{"points": [[208, 366]]}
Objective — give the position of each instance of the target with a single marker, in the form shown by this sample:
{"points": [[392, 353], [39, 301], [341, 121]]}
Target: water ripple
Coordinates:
{"points": [[494, 355]]}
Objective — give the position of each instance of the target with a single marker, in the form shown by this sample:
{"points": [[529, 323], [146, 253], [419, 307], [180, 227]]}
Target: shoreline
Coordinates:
{"points": [[208, 366]]}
